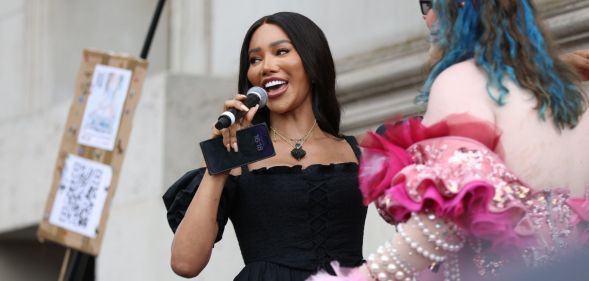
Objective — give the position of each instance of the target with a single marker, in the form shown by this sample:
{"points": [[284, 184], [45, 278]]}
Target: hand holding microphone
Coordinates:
{"points": [[254, 140], [239, 112], [255, 96]]}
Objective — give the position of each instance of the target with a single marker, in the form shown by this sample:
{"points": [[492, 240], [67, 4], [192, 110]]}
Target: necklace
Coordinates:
{"points": [[297, 144]]}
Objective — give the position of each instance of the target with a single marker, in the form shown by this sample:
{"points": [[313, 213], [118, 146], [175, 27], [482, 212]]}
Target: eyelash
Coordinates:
{"points": [[286, 51], [279, 52], [254, 60]]}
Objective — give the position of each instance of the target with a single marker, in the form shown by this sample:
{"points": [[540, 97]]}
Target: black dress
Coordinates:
{"points": [[290, 222]]}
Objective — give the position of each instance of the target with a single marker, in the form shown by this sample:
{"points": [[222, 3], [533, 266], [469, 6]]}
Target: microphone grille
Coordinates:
{"points": [[261, 93]]}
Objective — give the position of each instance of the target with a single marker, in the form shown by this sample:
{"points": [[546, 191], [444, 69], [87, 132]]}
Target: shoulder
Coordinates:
{"points": [[461, 80], [462, 88], [344, 148]]}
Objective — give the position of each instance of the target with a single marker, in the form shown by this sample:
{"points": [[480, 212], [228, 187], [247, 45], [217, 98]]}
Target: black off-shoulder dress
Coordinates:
{"points": [[290, 222]]}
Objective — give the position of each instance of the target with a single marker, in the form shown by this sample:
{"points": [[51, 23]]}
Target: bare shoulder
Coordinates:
{"points": [[462, 88], [460, 80], [337, 150]]}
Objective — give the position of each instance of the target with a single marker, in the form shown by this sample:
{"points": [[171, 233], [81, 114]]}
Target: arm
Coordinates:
{"points": [[419, 243], [196, 233], [423, 242], [195, 236]]}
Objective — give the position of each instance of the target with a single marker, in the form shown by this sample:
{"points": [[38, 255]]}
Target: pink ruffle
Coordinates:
{"points": [[410, 131], [342, 274], [381, 161], [384, 157], [468, 209]]}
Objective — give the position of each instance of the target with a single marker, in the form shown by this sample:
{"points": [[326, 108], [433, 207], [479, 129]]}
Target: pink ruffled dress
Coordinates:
{"points": [[451, 168]]}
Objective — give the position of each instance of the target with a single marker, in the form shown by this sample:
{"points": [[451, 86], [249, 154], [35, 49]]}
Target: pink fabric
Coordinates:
{"points": [[452, 169], [388, 151], [381, 161], [342, 274], [581, 216], [449, 168], [468, 209], [410, 131]]}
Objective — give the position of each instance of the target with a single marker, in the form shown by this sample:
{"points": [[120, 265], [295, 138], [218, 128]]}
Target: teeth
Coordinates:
{"points": [[274, 83]]}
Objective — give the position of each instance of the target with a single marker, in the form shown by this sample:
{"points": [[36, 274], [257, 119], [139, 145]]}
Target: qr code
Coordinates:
{"points": [[82, 191]]}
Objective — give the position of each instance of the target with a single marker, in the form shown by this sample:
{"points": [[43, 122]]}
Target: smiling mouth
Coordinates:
{"points": [[275, 87]]}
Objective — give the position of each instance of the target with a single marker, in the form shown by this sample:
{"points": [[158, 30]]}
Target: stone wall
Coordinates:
{"points": [[379, 47]]}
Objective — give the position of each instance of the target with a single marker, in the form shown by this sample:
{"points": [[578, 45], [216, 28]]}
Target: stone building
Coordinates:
{"points": [[379, 46]]}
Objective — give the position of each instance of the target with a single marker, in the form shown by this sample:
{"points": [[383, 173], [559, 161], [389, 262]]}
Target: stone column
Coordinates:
{"points": [[37, 55], [190, 36]]}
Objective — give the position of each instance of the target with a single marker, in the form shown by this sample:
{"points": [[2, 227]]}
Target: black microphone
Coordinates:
{"points": [[255, 95]]}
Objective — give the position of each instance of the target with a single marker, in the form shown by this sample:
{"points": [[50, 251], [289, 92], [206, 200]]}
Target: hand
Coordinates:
{"points": [[229, 134], [579, 61]]}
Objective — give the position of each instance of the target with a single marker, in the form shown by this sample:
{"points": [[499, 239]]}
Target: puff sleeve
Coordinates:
{"points": [[179, 195]]}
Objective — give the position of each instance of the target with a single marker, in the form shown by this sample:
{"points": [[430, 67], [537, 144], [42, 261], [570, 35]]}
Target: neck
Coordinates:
{"points": [[294, 124]]}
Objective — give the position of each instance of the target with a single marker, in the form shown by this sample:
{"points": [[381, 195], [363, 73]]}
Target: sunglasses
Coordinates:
{"points": [[426, 6]]}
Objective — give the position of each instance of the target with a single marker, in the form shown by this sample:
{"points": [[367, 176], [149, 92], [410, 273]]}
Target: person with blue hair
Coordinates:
{"points": [[495, 174]]}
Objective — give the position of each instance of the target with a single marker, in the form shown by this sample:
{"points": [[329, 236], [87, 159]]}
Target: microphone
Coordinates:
{"points": [[255, 95]]}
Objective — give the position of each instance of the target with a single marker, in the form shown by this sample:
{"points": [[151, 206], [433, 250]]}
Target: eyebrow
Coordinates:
{"points": [[273, 44]]}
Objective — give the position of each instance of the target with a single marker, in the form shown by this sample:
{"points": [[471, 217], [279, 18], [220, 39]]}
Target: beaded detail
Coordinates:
{"points": [[435, 237], [454, 161], [451, 169], [386, 265]]}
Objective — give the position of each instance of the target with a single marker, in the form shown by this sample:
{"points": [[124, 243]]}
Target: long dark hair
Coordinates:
{"points": [[311, 44]]}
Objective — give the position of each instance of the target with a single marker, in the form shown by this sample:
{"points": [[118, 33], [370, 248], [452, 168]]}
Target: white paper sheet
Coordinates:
{"points": [[102, 115], [81, 195]]}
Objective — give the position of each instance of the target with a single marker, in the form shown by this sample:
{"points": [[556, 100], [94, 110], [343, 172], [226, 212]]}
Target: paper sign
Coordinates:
{"points": [[105, 104], [81, 195]]}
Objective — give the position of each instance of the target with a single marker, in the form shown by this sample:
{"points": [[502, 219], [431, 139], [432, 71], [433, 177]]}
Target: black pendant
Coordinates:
{"points": [[298, 152]]}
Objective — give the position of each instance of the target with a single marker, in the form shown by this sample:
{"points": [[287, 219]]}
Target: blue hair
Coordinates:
{"points": [[484, 31]]}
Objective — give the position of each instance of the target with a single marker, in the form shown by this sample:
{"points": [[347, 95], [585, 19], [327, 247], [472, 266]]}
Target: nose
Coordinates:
{"points": [[269, 65]]}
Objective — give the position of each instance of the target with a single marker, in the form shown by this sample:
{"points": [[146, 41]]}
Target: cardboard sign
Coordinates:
{"points": [[92, 150]]}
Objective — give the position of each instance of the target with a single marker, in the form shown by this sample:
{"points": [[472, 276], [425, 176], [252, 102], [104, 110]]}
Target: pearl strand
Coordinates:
{"points": [[419, 249], [394, 268], [433, 237], [452, 269], [395, 255]]}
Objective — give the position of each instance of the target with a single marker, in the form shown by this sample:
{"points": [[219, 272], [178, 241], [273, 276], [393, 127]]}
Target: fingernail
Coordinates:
{"points": [[235, 147], [228, 148], [244, 108]]}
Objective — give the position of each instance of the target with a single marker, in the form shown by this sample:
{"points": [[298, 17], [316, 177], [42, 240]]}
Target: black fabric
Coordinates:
{"points": [[289, 221], [381, 130], [179, 195], [354, 144]]}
